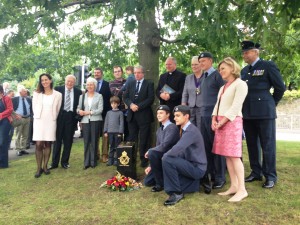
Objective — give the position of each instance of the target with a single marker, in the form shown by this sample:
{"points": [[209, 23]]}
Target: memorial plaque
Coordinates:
{"points": [[126, 156]]}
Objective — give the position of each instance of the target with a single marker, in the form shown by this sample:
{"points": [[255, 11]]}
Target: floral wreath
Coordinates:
{"points": [[121, 183]]}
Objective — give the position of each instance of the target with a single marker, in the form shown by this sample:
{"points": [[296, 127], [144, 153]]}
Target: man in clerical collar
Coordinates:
{"points": [[170, 85]]}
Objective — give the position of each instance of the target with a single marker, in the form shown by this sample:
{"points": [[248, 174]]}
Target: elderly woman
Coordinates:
{"points": [[92, 115], [6, 109], [228, 126], [191, 91], [46, 104]]}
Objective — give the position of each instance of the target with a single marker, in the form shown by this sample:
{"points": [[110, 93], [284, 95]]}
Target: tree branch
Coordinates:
{"points": [[170, 41], [85, 2], [112, 27], [235, 3]]}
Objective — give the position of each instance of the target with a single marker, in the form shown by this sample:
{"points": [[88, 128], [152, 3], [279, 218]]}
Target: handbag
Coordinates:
{"points": [[15, 119], [78, 117]]}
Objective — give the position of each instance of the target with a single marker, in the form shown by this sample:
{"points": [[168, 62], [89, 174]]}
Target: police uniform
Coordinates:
{"points": [[259, 114], [185, 163]]}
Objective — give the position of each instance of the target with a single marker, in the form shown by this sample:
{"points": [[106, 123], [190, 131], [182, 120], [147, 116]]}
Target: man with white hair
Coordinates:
{"points": [[6, 87], [23, 107], [66, 122]]}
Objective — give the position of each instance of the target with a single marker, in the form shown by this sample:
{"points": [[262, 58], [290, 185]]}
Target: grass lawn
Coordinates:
{"points": [[73, 196]]}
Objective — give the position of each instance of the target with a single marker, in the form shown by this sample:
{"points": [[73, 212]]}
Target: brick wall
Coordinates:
{"points": [[288, 114]]}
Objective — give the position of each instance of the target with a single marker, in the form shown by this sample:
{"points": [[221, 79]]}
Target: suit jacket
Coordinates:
{"points": [[96, 107], [260, 103], [144, 101], [37, 104], [15, 102], [189, 95], [76, 94], [106, 94], [176, 82]]}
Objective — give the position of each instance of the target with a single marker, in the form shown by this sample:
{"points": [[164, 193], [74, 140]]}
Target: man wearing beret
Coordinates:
{"points": [[210, 83], [185, 163], [259, 113], [170, 85], [166, 137]]}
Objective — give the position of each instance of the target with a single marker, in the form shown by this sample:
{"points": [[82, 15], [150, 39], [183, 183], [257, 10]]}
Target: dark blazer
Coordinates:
{"points": [[106, 94], [144, 101], [260, 103], [77, 92], [176, 82], [15, 102]]}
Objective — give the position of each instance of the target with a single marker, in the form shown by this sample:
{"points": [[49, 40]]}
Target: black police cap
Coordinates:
{"points": [[182, 108], [163, 107], [205, 55], [248, 45]]}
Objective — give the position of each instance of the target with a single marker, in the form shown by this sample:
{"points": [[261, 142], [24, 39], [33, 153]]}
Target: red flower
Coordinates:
{"points": [[109, 182]]}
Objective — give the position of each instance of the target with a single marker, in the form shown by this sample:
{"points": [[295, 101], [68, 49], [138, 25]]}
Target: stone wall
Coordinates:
{"points": [[288, 115]]}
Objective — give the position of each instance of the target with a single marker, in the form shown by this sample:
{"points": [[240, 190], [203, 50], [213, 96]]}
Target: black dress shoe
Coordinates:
{"points": [[46, 172], [52, 167], [24, 152], [37, 175], [173, 199], [157, 189], [65, 166], [269, 184], [219, 185], [252, 178], [85, 167], [19, 153]]}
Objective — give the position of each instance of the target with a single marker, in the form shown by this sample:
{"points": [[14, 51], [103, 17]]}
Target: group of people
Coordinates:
{"points": [[202, 116]]}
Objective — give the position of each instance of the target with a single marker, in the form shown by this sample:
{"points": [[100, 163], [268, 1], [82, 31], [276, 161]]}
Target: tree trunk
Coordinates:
{"points": [[148, 50]]}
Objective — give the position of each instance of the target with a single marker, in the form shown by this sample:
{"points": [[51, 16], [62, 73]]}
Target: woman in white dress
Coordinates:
{"points": [[46, 104]]}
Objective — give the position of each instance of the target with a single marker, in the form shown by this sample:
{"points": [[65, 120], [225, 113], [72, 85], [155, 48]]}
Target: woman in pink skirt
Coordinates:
{"points": [[228, 126]]}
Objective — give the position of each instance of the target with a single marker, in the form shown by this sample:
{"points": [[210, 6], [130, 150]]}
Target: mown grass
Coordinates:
{"points": [[73, 196]]}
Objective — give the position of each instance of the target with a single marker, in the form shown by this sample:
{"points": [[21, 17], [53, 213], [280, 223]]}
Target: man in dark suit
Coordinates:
{"points": [[259, 113], [139, 97], [103, 89], [175, 80], [23, 107], [66, 122]]}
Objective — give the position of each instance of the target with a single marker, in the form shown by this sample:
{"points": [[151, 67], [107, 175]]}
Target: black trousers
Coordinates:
{"points": [[156, 166], [216, 164], [64, 135], [263, 130], [140, 131]]}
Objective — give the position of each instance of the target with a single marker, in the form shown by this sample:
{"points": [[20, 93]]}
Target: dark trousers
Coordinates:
{"points": [[156, 166], [141, 132], [180, 175], [264, 131], [216, 164], [114, 141], [64, 135], [91, 132], [4, 142]]}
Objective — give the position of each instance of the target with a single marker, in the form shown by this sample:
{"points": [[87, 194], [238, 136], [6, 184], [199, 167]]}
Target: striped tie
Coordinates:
{"points": [[68, 101]]}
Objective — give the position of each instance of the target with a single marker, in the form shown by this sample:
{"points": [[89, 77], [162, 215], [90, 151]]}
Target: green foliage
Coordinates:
{"points": [[290, 95]]}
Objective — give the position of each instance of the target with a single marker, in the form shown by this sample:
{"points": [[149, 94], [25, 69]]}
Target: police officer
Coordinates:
{"points": [[166, 137], [185, 163], [259, 113]]}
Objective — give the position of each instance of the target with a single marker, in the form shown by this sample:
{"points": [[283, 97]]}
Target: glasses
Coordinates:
{"points": [[117, 71]]}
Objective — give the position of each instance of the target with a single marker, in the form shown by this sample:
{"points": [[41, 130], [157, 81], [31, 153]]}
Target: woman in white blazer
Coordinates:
{"points": [[92, 115], [46, 104]]}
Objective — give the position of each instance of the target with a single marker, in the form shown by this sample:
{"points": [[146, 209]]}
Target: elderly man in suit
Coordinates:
{"points": [[139, 97], [23, 107], [170, 86], [259, 112], [66, 122]]}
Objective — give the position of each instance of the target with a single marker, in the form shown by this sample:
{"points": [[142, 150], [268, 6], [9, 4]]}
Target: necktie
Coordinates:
{"points": [[250, 67], [136, 94], [205, 74], [68, 101], [24, 107], [162, 127], [98, 86]]}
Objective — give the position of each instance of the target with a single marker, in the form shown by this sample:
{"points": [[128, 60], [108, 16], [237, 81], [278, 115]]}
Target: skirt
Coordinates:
{"points": [[228, 139]]}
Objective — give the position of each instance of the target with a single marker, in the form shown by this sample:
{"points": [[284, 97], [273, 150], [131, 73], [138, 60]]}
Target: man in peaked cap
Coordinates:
{"points": [[185, 163], [259, 113], [166, 137]]}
